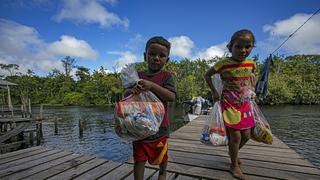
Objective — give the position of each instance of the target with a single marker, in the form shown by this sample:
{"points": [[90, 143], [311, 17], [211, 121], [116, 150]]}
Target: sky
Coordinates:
{"points": [[38, 34]]}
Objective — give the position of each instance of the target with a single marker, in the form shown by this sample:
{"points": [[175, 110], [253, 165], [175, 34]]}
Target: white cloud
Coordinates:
{"points": [[136, 42], [213, 51], [126, 57], [90, 11], [70, 46], [22, 45], [304, 41], [181, 46]]}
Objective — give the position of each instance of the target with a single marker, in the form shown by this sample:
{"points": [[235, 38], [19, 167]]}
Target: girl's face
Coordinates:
{"points": [[242, 47], [156, 57]]}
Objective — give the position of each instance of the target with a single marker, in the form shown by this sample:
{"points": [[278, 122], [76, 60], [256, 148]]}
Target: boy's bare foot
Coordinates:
{"points": [[237, 173]]}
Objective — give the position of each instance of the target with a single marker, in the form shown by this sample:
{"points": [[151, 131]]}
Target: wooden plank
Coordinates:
{"points": [[182, 177], [148, 172], [208, 173], [14, 132], [28, 171], [28, 159], [170, 176], [98, 171], [261, 161], [22, 155], [223, 164], [246, 150], [61, 167], [78, 170], [119, 173], [28, 165], [22, 151]]}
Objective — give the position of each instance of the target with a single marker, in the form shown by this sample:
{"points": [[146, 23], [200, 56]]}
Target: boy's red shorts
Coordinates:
{"points": [[155, 152]]}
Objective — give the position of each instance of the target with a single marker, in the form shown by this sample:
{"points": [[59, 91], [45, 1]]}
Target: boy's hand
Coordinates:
{"points": [[142, 85]]}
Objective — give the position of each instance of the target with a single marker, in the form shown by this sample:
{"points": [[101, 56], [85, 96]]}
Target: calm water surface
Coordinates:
{"points": [[297, 126]]}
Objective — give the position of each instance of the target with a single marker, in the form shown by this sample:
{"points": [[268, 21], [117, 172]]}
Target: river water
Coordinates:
{"points": [[297, 126]]}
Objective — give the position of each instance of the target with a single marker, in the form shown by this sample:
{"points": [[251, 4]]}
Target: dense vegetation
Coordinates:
{"points": [[293, 80]]}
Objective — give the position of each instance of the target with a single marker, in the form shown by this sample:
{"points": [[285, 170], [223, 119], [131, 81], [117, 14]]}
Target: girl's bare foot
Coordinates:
{"points": [[237, 173]]}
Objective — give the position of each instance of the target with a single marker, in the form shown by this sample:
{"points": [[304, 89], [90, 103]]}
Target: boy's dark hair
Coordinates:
{"points": [[158, 40], [238, 34]]}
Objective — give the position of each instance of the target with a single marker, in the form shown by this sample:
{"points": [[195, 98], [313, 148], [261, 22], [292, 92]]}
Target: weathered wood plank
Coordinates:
{"points": [[99, 171], [28, 159], [28, 165], [263, 151], [61, 167], [207, 161], [119, 173], [14, 132], [20, 153], [78, 170], [256, 160], [148, 172]]}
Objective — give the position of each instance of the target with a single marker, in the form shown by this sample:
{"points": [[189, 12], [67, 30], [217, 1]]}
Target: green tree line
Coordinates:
{"points": [[292, 80]]}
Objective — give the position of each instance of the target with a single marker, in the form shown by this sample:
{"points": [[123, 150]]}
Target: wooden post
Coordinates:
{"points": [[22, 112], [41, 111], [30, 113], [55, 126], [38, 134], [80, 129], [31, 138]]}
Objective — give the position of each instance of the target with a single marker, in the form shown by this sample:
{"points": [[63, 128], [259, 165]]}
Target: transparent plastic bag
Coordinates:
{"points": [[214, 132], [137, 116], [262, 131], [129, 76]]}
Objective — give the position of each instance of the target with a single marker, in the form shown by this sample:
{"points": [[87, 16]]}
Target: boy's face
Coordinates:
{"points": [[156, 57], [242, 47]]}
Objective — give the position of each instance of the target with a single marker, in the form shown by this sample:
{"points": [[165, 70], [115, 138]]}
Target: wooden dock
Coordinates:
{"points": [[189, 159]]}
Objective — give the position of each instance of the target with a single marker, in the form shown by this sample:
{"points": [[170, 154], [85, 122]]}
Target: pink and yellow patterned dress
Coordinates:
{"points": [[235, 98]]}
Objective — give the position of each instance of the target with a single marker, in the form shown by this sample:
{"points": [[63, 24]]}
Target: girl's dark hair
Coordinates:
{"points": [[158, 40], [239, 33]]}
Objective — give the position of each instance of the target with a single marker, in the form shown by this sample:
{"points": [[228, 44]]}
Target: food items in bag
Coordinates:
{"points": [[214, 136], [261, 133], [127, 107], [139, 116]]}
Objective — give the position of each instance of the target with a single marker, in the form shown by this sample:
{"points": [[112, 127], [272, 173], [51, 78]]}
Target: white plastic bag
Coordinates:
{"points": [[137, 116], [214, 132]]}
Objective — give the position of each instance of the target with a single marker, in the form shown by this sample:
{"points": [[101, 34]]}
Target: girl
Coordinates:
{"points": [[235, 72]]}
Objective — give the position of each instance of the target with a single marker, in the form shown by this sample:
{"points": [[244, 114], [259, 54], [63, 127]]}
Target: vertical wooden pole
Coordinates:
{"points": [[30, 113], [55, 126], [80, 129]]}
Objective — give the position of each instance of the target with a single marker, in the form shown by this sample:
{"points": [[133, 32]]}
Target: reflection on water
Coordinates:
{"points": [[297, 126], [90, 130]]}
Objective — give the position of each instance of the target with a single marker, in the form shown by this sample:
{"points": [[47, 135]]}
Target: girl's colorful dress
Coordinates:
{"points": [[235, 98]]}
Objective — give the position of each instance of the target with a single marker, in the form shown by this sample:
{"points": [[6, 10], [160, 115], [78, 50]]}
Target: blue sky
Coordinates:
{"points": [[37, 34]]}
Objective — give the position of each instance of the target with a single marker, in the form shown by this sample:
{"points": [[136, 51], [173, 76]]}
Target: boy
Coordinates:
{"points": [[154, 148]]}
